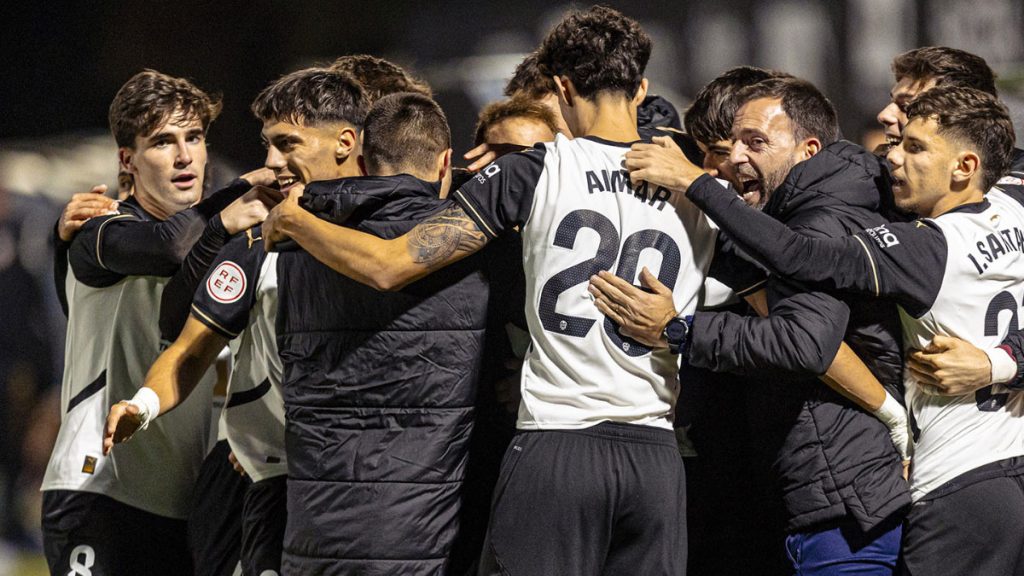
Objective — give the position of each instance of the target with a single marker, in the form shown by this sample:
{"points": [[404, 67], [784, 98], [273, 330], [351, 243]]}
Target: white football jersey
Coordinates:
{"points": [[580, 214], [979, 301], [238, 299], [113, 338]]}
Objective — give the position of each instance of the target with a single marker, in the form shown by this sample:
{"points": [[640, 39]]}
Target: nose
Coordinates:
{"points": [[738, 154], [275, 160], [184, 158], [895, 156], [889, 116]]}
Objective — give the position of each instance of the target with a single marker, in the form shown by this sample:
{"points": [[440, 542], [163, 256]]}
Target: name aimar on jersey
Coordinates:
{"points": [[618, 181], [994, 245]]}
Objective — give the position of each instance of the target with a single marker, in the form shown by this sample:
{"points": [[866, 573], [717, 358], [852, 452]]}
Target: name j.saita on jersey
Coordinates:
{"points": [[994, 245], [618, 181]]}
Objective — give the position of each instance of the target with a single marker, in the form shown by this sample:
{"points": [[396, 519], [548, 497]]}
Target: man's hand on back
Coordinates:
{"points": [[661, 163], [950, 367], [81, 208], [640, 315]]}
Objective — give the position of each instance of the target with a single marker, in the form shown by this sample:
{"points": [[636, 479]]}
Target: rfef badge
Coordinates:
{"points": [[226, 283]]}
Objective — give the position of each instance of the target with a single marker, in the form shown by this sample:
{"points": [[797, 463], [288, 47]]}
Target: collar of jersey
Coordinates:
{"points": [[611, 142], [972, 208]]}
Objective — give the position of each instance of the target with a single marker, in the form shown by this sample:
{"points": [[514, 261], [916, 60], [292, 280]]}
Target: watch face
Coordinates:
{"points": [[675, 330]]}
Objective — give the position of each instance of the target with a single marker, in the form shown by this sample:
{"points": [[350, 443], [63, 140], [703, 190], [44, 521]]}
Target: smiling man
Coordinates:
{"points": [[102, 514], [311, 119], [959, 271]]}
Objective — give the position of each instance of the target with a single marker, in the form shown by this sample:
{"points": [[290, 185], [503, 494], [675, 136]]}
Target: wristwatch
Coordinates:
{"points": [[676, 332]]}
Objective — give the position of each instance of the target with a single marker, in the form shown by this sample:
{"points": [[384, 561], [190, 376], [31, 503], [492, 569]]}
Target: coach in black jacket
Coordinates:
{"points": [[832, 459], [834, 464]]}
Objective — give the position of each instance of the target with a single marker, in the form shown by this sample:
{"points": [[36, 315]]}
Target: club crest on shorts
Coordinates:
{"points": [[226, 283]]}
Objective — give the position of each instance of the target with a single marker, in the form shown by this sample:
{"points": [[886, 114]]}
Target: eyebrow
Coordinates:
{"points": [[749, 131]]}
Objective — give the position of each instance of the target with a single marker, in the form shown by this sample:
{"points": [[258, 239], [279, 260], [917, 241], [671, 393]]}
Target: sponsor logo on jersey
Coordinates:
{"points": [[488, 172], [89, 466], [883, 237], [226, 283]]}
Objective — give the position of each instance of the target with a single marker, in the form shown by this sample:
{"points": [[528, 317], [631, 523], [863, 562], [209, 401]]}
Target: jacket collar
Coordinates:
{"points": [[841, 173], [350, 200]]}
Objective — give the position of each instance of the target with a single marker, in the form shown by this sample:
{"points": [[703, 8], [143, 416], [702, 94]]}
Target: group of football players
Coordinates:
{"points": [[501, 369]]}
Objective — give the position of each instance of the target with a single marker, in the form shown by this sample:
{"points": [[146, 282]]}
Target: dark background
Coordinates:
{"points": [[63, 62]]}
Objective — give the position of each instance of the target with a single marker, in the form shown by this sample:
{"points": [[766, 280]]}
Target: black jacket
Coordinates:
{"points": [[379, 392], [831, 459]]}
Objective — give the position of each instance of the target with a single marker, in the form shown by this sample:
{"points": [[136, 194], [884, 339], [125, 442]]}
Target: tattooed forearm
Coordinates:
{"points": [[439, 237]]}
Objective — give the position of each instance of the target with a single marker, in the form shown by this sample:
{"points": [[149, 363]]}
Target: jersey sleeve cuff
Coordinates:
{"points": [[473, 211], [1004, 366], [207, 319]]}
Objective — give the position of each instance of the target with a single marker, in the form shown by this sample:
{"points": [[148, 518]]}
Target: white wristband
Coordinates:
{"points": [[1004, 368], [894, 416], [148, 403]]}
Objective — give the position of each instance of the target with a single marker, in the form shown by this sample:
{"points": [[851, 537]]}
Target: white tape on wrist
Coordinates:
{"points": [[894, 416], [148, 403], [1004, 368]]}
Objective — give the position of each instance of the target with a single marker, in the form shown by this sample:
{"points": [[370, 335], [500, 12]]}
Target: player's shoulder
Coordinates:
{"points": [[920, 232], [245, 248], [525, 164]]}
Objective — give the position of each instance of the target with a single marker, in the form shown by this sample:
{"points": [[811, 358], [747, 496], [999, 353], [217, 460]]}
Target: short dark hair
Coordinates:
{"points": [[519, 107], [709, 118], [599, 49], [404, 131], [380, 77], [810, 111], [973, 117], [149, 99], [529, 80], [313, 96], [948, 66]]}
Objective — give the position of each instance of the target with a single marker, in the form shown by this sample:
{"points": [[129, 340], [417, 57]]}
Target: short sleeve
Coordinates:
{"points": [[500, 196], [228, 292], [908, 261]]}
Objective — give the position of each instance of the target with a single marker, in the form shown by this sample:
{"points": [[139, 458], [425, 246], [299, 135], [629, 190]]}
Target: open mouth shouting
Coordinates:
{"points": [[751, 190]]}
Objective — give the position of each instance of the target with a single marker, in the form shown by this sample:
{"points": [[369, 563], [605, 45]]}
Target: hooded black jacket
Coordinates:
{"points": [[379, 392], [830, 458]]}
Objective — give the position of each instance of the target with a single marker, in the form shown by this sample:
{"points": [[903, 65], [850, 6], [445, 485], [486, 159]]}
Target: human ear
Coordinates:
{"points": [[968, 165]]}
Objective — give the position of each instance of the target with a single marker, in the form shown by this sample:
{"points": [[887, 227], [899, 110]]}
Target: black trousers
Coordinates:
{"points": [[264, 515], [973, 524], [87, 534], [605, 500], [215, 520]]}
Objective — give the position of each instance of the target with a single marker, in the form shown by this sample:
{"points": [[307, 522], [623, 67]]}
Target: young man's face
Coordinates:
{"points": [[520, 131], [763, 149], [168, 165], [894, 116], [716, 161], [922, 166], [303, 154]]}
